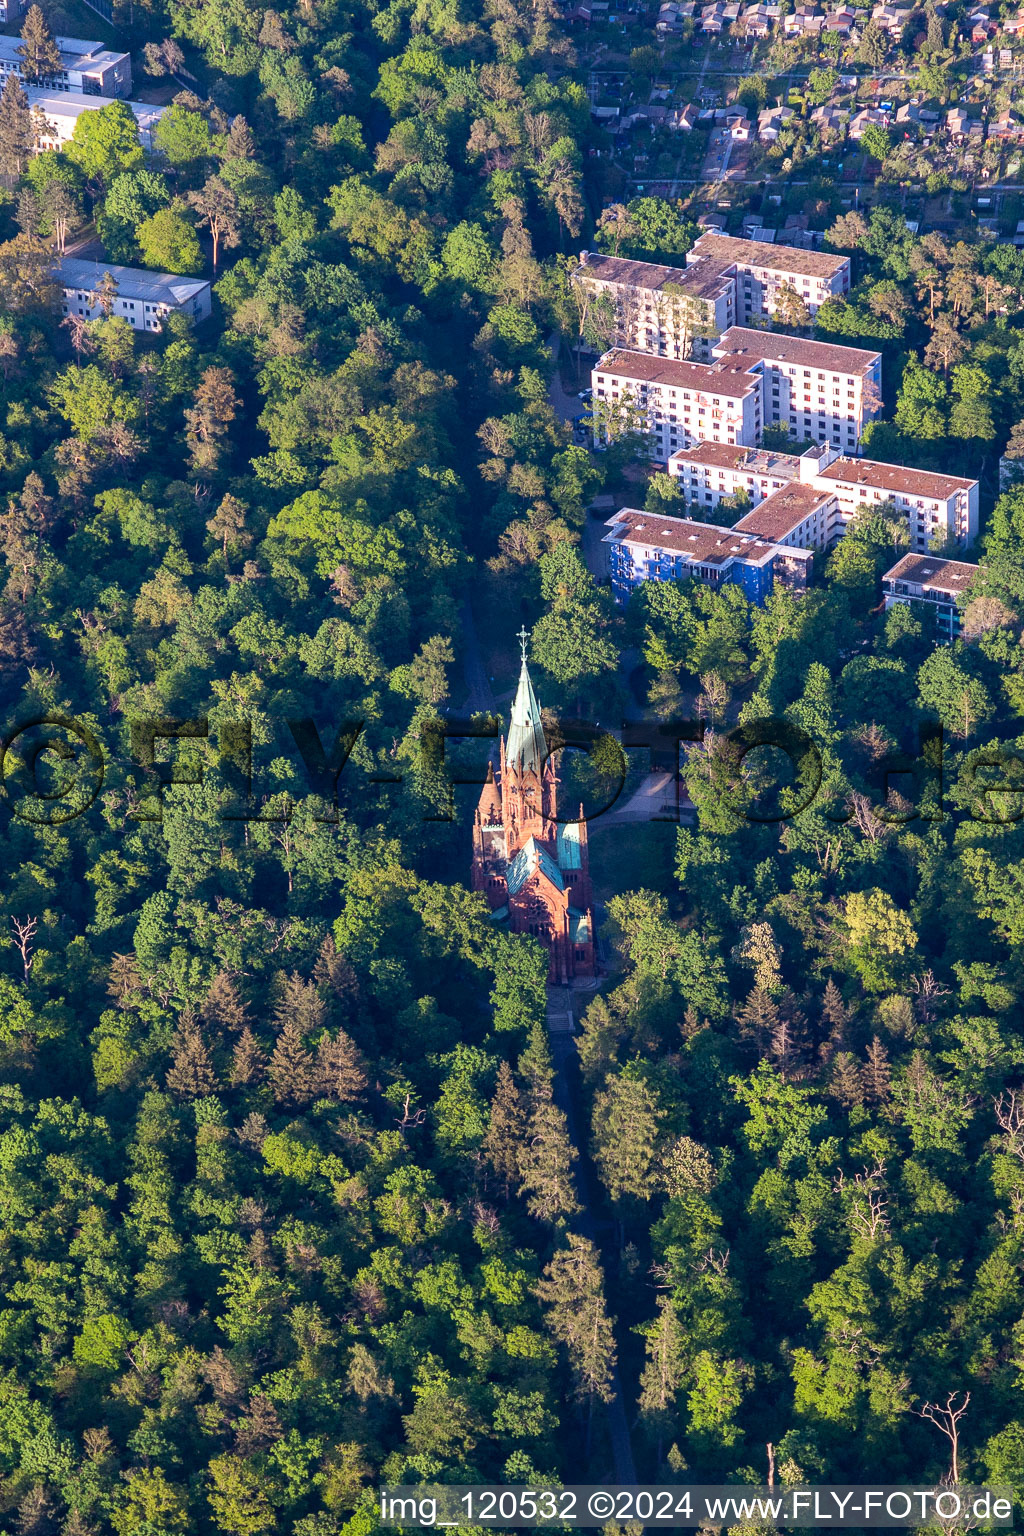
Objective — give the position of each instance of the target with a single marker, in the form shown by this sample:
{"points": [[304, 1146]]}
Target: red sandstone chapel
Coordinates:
{"points": [[533, 868]]}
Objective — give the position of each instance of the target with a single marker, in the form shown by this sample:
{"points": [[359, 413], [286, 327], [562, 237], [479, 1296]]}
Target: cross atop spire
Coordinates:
{"points": [[523, 636], [527, 748]]}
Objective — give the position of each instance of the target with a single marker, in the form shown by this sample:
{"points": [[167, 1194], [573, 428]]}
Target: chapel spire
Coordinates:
{"points": [[526, 748]]}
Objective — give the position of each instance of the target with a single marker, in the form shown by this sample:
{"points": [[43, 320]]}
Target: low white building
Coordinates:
{"points": [[62, 109], [939, 583], [88, 67], [143, 298]]}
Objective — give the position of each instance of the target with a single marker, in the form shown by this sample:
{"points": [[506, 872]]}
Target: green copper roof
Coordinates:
{"points": [[526, 747], [570, 853], [530, 858]]}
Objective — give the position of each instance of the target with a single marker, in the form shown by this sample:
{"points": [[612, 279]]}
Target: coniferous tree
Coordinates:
{"points": [[535, 1065], [223, 1005], [878, 1072], [506, 1128], [192, 1075], [626, 1124], [758, 1018], [39, 53], [339, 1069], [292, 1071], [300, 1004], [846, 1081], [572, 1291], [15, 128], [663, 1373], [835, 1016], [546, 1165], [249, 1060]]}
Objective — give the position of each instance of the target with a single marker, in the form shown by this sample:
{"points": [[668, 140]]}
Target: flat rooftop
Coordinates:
{"points": [[783, 510], [774, 258], [646, 368], [72, 103], [894, 477], [702, 280], [739, 341], [74, 51], [706, 543], [753, 461], [929, 573], [132, 282]]}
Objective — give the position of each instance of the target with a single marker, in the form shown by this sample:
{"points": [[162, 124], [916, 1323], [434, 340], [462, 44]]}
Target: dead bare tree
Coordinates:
{"points": [[869, 1202], [24, 936], [946, 1418], [1009, 1108]]}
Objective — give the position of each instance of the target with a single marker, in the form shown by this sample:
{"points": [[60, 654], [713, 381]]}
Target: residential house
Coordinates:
{"points": [[840, 21], [771, 121], [864, 119], [829, 119], [760, 275], [891, 19], [936, 506], [756, 21], [957, 122], [819, 391], [668, 311]]}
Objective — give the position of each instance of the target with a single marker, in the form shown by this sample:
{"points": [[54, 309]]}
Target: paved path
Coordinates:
{"points": [[657, 799], [479, 693], [563, 1050], [565, 405]]}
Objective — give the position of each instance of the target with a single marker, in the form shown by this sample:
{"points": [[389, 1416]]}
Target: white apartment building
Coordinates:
{"points": [[675, 403], [799, 516], [670, 311], [761, 271], [143, 298], [680, 311], [88, 67], [936, 506], [818, 392], [62, 109], [710, 471]]}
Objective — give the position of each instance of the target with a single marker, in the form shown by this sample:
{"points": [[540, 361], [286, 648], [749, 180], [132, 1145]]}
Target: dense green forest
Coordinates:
{"points": [[288, 1202]]}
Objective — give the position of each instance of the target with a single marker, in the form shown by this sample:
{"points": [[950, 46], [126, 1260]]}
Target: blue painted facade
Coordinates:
{"points": [[755, 579]]}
